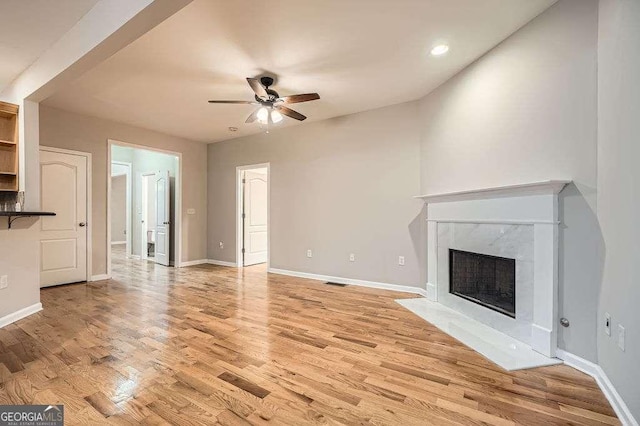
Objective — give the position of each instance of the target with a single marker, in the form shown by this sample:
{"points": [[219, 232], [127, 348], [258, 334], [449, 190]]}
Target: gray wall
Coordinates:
{"points": [[338, 186], [63, 129], [619, 192], [524, 112], [118, 208]]}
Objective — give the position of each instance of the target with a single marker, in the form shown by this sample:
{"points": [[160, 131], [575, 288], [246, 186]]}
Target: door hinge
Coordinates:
{"points": [[243, 251], [244, 216], [244, 181]]}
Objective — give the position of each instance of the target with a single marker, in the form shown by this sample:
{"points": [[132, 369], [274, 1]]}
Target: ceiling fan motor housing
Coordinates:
{"points": [[273, 95]]}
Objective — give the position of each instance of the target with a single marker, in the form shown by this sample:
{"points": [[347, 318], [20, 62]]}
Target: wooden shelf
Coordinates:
{"points": [[8, 147]]}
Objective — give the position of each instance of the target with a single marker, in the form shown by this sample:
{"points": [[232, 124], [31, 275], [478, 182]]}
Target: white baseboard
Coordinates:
{"points": [[595, 371], [100, 277], [18, 315], [193, 262], [134, 257], [222, 263], [116, 243], [350, 281]]}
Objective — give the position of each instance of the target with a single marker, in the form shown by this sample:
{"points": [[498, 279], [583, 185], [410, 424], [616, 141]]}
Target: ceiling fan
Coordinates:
{"points": [[272, 106]]}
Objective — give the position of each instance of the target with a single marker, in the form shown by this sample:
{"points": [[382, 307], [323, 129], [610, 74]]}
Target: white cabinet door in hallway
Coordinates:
{"points": [[63, 238], [255, 218], [163, 217]]}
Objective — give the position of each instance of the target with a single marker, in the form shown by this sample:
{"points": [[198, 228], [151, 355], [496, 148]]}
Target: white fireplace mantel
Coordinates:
{"points": [[532, 188], [531, 206]]}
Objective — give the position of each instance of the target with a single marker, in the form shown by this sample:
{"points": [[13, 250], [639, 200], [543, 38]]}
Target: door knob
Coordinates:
{"points": [[82, 224]]}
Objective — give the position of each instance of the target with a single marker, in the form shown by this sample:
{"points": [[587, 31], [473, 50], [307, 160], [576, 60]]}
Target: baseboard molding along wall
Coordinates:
{"points": [[595, 371], [18, 315], [221, 263], [100, 277], [350, 281], [193, 262]]}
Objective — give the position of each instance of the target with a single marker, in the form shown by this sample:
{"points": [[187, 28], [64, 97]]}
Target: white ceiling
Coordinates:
{"points": [[29, 27], [358, 54]]}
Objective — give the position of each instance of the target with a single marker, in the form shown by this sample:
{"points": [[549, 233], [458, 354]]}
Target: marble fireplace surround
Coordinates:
{"points": [[517, 221]]}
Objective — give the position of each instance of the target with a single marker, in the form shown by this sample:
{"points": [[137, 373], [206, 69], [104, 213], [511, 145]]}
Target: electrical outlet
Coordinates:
{"points": [[221, 244], [401, 260], [621, 336], [607, 324], [352, 257], [4, 282], [309, 253]]}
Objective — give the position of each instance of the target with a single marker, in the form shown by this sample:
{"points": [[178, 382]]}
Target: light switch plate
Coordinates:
{"points": [[191, 211]]}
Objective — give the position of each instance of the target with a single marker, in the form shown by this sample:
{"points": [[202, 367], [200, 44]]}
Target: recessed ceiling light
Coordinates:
{"points": [[440, 49]]}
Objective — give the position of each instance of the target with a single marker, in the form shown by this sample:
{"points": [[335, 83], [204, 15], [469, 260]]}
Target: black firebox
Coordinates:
{"points": [[487, 280]]}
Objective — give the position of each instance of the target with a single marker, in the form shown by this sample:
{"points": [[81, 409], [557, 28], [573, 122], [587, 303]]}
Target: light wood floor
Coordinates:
{"points": [[213, 345]]}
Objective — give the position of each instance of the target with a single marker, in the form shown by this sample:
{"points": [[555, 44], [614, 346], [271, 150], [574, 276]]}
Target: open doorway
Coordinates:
{"points": [[253, 214], [152, 206]]}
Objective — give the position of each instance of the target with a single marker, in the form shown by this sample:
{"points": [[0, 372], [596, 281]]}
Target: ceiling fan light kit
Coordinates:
{"points": [[272, 109]]}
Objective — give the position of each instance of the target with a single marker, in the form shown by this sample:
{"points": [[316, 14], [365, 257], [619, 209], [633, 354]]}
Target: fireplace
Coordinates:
{"points": [[489, 281]]}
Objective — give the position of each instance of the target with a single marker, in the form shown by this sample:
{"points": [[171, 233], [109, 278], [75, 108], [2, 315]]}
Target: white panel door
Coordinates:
{"points": [[63, 238], [255, 218], [163, 217]]}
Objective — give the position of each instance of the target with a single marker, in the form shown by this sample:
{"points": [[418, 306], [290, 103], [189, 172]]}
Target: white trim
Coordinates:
{"points": [[595, 371], [144, 210], [350, 281], [194, 262], [19, 314], [100, 277], [239, 230], [222, 263], [117, 243], [89, 214], [178, 206], [532, 188], [128, 202], [497, 222], [134, 257]]}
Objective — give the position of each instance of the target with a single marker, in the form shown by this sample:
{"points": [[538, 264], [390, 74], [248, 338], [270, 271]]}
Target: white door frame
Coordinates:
{"points": [[239, 195], [87, 155], [144, 210], [178, 228], [128, 204]]}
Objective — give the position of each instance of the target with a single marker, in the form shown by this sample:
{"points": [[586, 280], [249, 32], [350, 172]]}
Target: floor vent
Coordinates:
{"points": [[338, 284]]}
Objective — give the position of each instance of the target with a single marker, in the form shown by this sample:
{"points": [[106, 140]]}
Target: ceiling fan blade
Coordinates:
{"points": [[253, 117], [257, 87], [294, 99], [234, 102], [290, 113]]}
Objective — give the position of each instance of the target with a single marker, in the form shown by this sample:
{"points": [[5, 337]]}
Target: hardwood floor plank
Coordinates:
{"points": [[214, 345]]}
